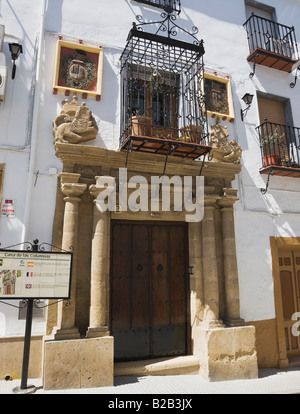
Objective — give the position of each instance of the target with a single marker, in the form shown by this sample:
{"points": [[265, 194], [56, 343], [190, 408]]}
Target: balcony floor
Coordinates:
{"points": [[164, 146], [271, 60], [281, 171]]}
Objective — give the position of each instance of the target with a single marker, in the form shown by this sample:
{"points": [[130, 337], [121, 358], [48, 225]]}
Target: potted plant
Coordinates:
{"points": [[140, 124], [270, 146]]}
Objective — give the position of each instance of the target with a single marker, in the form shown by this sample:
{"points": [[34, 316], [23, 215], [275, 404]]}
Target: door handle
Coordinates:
{"points": [[159, 268], [140, 268]]}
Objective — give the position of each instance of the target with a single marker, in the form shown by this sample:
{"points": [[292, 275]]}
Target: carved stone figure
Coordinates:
{"points": [[75, 123], [224, 150]]}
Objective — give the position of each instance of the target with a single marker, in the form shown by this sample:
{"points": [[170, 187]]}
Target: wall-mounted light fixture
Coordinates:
{"points": [[295, 67], [15, 50], [247, 98]]}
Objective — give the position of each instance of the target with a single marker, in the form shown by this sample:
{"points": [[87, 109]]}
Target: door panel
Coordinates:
{"points": [[289, 270], [148, 289]]}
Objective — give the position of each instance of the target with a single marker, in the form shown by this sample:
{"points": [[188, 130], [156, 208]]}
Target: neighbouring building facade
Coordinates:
{"points": [[157, 141]]}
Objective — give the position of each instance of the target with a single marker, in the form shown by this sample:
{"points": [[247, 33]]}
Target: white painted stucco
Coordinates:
{"points": [[25, 120]]}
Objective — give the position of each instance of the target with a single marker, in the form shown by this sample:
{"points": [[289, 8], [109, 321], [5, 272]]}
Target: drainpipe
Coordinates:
{"points": [[35, 117]]}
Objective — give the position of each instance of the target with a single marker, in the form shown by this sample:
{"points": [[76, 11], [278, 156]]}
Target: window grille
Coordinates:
{"points": [[162, 91], [172, 5]]}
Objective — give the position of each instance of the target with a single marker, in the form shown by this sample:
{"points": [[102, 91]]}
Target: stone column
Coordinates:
{"points": [[209, 263], [232, 299], [99, 311], [72, 190]]}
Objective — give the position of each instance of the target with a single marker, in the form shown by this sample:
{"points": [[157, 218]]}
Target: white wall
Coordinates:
{"points": [[107, 23]]}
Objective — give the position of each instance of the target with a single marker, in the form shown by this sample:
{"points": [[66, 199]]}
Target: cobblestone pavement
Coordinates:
{"points": [[270, 381]]}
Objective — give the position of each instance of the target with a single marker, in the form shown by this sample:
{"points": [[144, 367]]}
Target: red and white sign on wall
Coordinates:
{"points": [[8, 208]]}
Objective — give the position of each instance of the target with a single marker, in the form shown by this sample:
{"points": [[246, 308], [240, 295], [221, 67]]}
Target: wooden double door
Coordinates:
{"points": [[149, 287], [289, 271]]}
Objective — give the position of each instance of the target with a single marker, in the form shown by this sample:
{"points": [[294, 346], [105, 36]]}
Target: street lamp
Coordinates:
{"points": [[247, 98], [15, 50]]}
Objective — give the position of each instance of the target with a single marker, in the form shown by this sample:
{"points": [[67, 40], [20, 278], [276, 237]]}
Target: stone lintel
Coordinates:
{"points": [[139, 162]]}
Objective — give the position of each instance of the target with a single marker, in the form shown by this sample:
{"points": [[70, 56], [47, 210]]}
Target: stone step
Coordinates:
{"points": [[188, 364]]}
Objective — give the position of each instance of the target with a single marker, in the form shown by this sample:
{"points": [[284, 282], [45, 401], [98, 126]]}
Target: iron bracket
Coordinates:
{"points": [[129, 149], [251, 74], [264, 190]]}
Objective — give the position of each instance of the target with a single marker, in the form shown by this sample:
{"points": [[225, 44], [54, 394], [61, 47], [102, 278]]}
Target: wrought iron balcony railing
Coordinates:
{"points": [[271, 44], [280, 148], [163, 108], [174, 5]]}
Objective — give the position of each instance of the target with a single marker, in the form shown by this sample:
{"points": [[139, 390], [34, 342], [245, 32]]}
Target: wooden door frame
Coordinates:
{"points": [[278, 243], [188, 292]]}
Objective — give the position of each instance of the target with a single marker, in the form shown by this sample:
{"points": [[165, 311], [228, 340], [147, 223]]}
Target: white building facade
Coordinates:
{"points": [[250, 48]]}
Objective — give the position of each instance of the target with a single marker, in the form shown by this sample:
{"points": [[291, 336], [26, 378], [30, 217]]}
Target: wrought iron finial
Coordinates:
{"points": [[168, 25]]}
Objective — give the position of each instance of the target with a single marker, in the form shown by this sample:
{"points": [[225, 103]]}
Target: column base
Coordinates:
{"points": [[97, 332], [211, 324], [65, 333], [232, 322]]}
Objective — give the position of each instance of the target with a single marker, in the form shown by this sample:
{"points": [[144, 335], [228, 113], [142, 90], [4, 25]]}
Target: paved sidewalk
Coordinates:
{"points": [[270, 381]]}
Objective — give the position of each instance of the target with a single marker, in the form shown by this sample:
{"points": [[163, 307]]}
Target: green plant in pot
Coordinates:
{"points": [[270, 141]]}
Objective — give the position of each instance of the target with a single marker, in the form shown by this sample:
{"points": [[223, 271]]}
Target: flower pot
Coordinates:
{"points": [[141, 125], [191, 133], [271, 159]]}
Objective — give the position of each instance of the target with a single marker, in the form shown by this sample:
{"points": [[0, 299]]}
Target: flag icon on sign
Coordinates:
{"points": [[28, 286], [29, 274], [30, 264]]}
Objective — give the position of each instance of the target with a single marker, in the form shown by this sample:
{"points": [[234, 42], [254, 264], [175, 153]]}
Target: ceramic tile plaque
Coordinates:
{"points": [[78, 69], [218, 96]]}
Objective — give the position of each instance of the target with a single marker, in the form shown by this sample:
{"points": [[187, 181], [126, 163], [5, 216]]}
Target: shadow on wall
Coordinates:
{"points": [[54, 15]]}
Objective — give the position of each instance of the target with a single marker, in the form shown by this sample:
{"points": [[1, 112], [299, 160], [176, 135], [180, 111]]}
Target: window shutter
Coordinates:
{"points": [[272, 110]]}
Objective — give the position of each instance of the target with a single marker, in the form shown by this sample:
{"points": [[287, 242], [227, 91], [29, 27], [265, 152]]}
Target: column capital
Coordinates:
{"points": [[69, 185], [95, 189], [73, 190], [228, 198]]}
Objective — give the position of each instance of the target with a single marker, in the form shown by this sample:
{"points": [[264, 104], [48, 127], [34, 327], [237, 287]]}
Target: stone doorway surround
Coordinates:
{"points": [[223, 343]]}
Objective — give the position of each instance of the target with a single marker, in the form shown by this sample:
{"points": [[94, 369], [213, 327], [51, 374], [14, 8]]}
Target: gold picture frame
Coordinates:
{"points": [[218, 95], [78, 69]]}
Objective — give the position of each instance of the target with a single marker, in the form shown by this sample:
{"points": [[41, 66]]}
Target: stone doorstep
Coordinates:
{"points": [[188, 364]]}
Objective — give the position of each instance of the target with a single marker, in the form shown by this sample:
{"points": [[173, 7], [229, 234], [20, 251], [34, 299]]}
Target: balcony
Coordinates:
{"points": [[271, 44], [170, 5], [280, 149], [162, 105]]}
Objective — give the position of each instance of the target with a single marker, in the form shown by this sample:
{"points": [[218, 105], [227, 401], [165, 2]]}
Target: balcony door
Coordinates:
{"points": [[148, 289], [273, 131]]}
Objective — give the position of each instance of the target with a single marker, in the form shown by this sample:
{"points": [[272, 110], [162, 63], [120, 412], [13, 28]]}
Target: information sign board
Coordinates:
{"points": [[35, 275]]}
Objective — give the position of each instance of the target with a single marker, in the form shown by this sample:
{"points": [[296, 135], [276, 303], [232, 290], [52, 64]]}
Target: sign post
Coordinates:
{"points": [[32, 275]]}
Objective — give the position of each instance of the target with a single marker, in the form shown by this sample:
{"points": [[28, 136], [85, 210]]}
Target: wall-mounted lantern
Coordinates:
{"points": [[247, 98], [3, 68], [295, 67], [15, 50]]}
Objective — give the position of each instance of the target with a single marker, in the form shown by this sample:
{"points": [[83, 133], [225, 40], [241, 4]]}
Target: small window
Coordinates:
{"points": [[172, 5]]}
